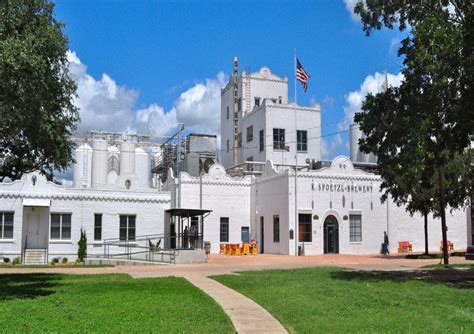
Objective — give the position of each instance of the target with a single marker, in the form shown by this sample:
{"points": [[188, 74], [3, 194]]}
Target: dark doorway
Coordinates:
{"points": [[245, 234], [331, 235], [262, 235]]}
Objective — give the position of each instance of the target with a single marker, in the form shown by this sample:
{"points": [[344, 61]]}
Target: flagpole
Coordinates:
{"points": [[296, 165], [294, 62]]}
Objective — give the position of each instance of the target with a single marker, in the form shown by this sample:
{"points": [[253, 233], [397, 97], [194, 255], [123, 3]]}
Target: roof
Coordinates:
{"points": [[180, 212]]}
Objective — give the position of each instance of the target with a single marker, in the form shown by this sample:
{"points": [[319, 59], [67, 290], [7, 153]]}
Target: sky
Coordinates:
{"points": [[143, 66]]}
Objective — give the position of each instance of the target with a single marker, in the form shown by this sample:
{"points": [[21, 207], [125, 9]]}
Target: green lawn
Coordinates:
{"points": [[319, 300], [106, 303]]}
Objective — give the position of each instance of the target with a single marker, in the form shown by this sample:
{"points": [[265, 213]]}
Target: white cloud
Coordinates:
{"points": [[105, 105], [350, 4], [199, 107], [372, 84]]}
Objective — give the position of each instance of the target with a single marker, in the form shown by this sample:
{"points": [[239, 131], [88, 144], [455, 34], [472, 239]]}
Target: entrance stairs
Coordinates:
{"points": [[35, 256]]}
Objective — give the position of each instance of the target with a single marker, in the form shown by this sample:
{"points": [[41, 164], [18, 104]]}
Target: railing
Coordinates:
{"points": [[156, 248]]}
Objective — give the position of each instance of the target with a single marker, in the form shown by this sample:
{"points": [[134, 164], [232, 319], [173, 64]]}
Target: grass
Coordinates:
{"points": [[335, 300], [106, 303], [453, 265]]}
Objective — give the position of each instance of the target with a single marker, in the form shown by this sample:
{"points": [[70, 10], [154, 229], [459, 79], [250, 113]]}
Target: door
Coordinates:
{"points": [[245, 234], [262, 235], [331, 235], [33, 234]]}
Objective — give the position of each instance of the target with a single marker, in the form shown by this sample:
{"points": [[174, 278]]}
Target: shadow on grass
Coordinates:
{"points": [[27, 286], [457, 278]]}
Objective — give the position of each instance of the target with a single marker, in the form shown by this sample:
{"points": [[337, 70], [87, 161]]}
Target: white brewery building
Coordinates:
{"points": [[164, 199]]}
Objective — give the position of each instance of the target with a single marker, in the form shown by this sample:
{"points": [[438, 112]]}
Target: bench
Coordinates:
{"points": [[405, 247], [450, 246]]}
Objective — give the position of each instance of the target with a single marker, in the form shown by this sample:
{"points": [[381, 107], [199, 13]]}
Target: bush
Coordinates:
{"points": [[17, 260], [82, 250], [55, 260], [64, 260], [6, 259]]}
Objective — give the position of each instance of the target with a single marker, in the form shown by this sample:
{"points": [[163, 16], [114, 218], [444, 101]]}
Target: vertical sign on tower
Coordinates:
{"points": [[236, 110]]}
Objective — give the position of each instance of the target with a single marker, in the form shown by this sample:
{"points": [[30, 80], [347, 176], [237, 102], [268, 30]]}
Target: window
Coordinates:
{"points": [[98, 226], [279, 139], [60, 226], [250, 133], [240, 104], [227, 112], [257, 101], [276, 228], [227, 147], [239, 140], [305, 227], [302, 141], [355, 228], [224, 229], [6, 225], [127, 227], [245, 234], [261, 140]]}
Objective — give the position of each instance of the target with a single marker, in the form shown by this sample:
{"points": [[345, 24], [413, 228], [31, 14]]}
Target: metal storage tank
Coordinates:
{"points": [[354, 134], [113, 164], [83, 166], [99, 162], [142, 167], [127, 158]]}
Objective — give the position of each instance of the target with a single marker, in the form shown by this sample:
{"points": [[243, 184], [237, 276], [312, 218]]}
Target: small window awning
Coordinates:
{"points": [[183, 213], [36, 202]]}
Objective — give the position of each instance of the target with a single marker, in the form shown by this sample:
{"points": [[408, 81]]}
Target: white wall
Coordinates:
{"points": [[321, 194], [225, 196], [149, 208]]}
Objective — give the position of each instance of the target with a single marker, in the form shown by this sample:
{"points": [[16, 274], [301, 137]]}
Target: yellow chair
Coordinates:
{"points": [[237, 250], [228, 249], [246, 248], [254, 249]]}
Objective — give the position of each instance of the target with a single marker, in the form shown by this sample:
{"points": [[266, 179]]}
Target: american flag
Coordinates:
{"points": [[301, 75]]}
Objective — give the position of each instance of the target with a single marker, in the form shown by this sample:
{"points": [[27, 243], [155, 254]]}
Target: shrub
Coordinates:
{"points": [[82, 250], [64, 260], [6, 259], [17, 260], [55, 260]]}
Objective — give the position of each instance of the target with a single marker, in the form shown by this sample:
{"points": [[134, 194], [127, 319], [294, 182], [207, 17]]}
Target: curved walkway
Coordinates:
{"points": [[246, 315]]}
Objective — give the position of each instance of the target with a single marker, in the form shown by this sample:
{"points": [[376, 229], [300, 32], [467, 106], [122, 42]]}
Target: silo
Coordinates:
{"points": [[142, 167], [127, 158], [113, 164], [83, 166], [354, 134], [99, 162]]}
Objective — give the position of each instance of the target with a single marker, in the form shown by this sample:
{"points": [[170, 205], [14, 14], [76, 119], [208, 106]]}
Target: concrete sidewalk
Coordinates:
{"points": [[246, 315]]}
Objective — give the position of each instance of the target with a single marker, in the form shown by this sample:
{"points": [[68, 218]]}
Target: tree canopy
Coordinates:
{"points": [[421, 131], [37, 112]]}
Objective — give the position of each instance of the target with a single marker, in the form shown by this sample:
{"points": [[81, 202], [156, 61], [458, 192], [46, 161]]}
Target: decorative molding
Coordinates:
{"points": [[87, 197]]}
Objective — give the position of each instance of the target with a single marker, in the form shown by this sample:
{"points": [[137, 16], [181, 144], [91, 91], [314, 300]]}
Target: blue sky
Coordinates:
{"points": [[153, 52]]}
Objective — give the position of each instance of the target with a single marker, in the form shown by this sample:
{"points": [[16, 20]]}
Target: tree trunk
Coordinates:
{"points": [[426, 234], [442, 210]]}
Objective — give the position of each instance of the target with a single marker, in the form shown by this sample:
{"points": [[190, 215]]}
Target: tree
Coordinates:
{"points": [[421, 130], [37, 114], [82, 247]]}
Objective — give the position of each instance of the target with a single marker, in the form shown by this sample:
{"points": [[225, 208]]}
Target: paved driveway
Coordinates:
{"points": [[225, 264]]}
